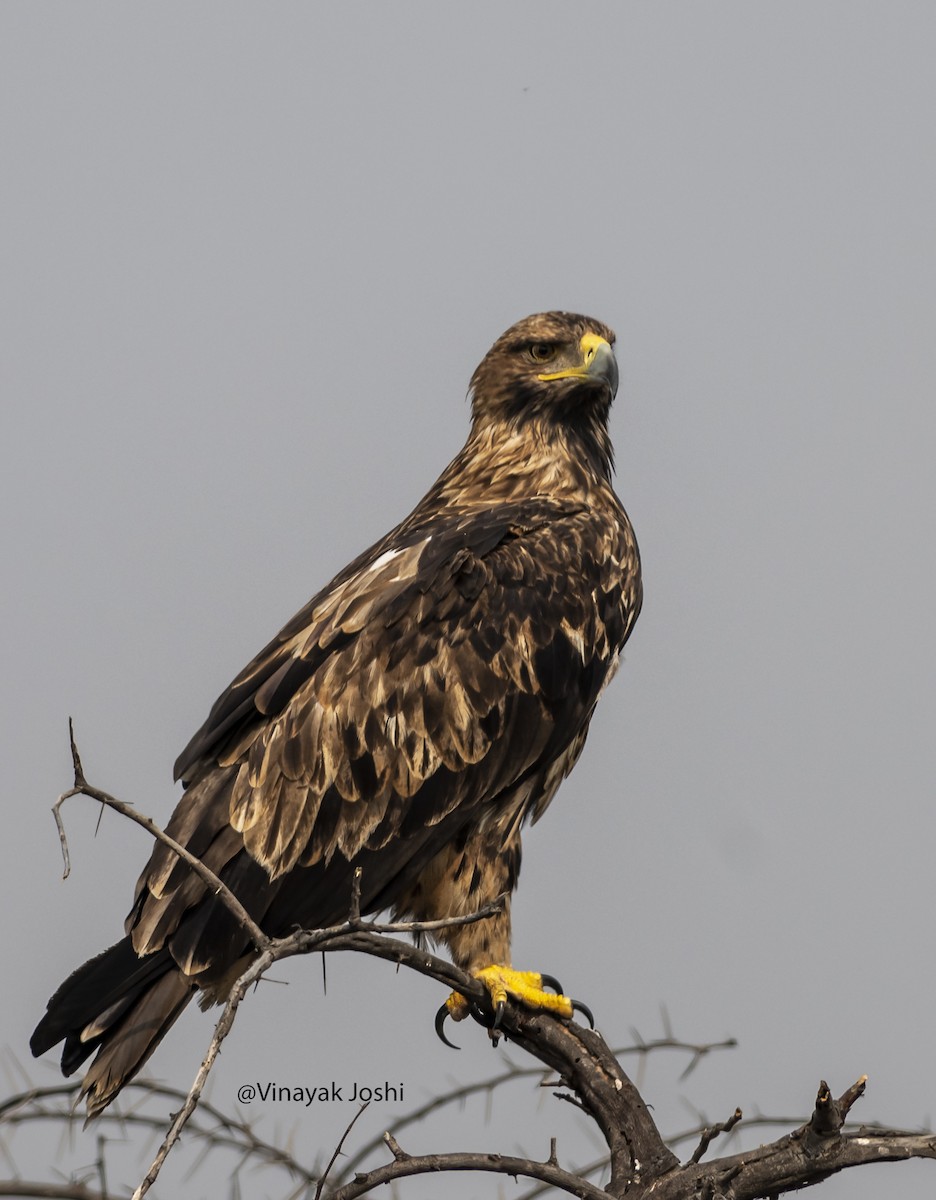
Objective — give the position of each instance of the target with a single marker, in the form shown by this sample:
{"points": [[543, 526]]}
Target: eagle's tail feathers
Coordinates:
{"points": [[118, 1004], [127, 1045]]}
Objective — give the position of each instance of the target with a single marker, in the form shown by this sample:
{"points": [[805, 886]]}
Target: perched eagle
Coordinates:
{"points": [[408, 720]]}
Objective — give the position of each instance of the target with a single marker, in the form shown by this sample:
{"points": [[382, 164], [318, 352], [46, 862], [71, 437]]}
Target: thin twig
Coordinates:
{"points": [[341, 1142], [38, 1105], [669, 1042], [73, 1190], [513, 1073], [366, 936], [269, 950], [207, 876], [404, 1165], [638, 1158], [712, 1131]]}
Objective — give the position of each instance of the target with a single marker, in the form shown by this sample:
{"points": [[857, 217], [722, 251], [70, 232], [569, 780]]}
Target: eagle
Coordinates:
{"points": [[408, 721]]}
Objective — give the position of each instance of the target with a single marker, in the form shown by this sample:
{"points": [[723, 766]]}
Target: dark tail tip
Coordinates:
{"points": [[118, 1004]]}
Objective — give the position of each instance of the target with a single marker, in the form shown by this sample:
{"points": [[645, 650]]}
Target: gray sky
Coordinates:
{"points": [[250, 255]]}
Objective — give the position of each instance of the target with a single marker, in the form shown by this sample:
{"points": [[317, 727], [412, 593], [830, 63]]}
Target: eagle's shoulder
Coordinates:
{"points": [[459, 632], [397, 578]]}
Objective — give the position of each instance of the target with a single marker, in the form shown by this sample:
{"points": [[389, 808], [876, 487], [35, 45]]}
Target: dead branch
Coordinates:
{"points": [[404, 1165], [59, 1104], [641, 1164], [344, 1136], [712, 1131], [699, 1051], [800, 1159], [49, 1191], [212, 882], [351, 934], [514, 1073]]}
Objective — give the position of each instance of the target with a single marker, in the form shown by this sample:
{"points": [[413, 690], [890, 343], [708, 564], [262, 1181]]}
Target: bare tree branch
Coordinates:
{"points": [[58, 1104], [338, 1148], [802, 1158], [352, 934], [712, 1132], [212, 882], [405, 1165], [639, 1161], [51, 1191], [699, 1051]]}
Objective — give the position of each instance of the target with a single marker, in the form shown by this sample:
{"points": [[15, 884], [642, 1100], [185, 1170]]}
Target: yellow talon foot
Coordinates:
{"points": [[526, 987], [457, 1007]]}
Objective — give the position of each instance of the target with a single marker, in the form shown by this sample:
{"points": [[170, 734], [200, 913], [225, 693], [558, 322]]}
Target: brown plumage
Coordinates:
{"points": [[408, 720]]}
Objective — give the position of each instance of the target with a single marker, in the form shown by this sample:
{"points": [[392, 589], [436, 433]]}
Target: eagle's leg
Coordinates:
{"points": [[466, 875], [503, 981]]}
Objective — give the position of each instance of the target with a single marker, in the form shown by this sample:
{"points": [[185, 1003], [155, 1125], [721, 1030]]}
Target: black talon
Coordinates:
{"points": [[496, 1025], [578, 1006], [553, 982], [479, 1014], [440, 1026]]}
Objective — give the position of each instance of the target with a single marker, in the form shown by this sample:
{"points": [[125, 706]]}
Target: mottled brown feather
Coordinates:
{"points": [[407, 720]]}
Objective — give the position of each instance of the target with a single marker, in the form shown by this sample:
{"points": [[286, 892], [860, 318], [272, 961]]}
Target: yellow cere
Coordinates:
{"points": [[589, 346]]}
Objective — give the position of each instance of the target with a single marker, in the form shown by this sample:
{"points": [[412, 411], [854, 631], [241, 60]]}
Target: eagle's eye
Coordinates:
{"points": [[542, 352]]}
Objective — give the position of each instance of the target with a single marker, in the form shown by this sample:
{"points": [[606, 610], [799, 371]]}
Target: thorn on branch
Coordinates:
{"points": [[80, 780]]}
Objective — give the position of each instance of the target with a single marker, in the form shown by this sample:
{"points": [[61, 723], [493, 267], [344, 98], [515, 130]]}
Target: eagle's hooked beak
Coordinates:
{"points": [[598, 362]]}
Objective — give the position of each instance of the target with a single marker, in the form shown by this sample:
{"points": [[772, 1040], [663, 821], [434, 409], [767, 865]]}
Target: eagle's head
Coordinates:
{"points": [[554, 370], [554, 365]]}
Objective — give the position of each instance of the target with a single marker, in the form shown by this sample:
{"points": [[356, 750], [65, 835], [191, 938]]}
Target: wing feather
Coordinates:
{"points": [[435, 674]]}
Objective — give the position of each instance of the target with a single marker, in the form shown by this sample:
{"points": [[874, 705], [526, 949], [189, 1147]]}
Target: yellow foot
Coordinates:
{"points": [[527, 987]]}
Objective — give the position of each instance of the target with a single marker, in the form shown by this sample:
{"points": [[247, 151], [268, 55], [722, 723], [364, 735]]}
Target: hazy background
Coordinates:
{"points": [[249, 257]]}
